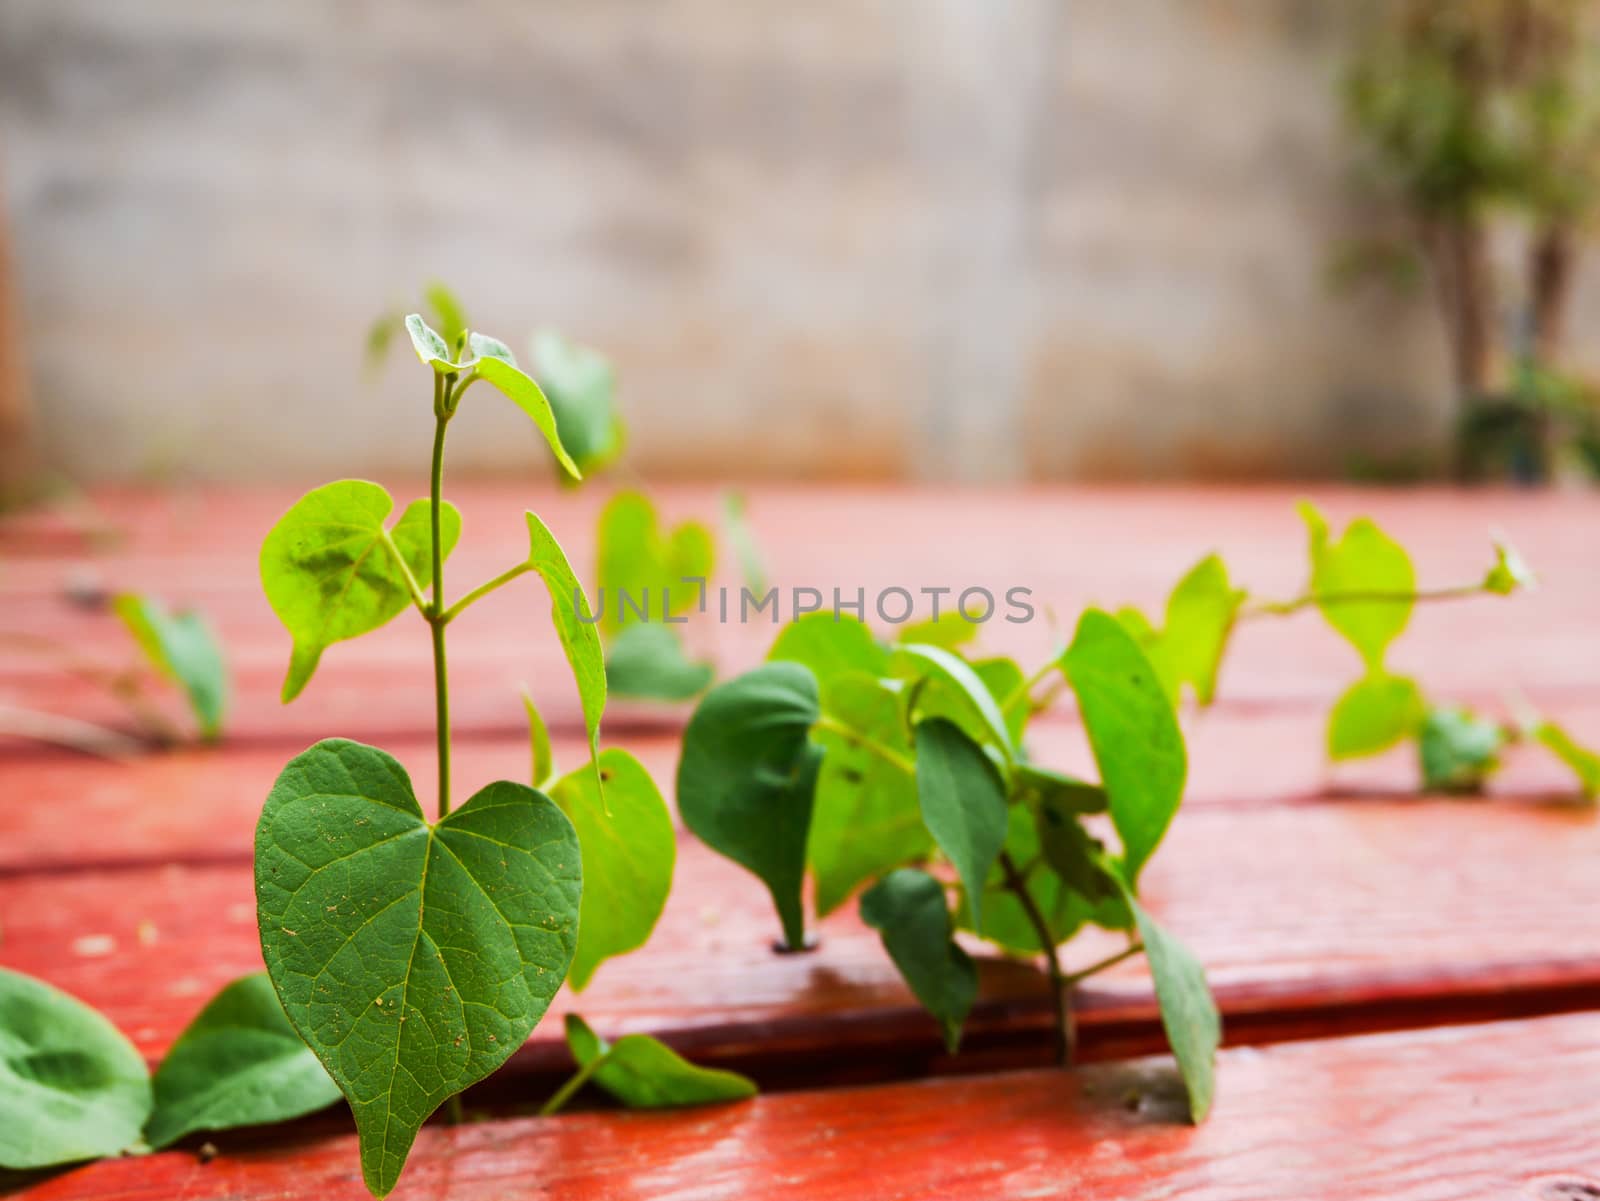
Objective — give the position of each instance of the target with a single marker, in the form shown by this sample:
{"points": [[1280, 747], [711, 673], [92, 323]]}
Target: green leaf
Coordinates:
{"points": [[1034, 786], [447, 311], [645, 1073], [830, 647], [485, 347], [1004, 678], [575, 625], [636, 559], [581, 387], [1200, 617], [412, 958], [628, 855], [331, 572], [544, 759], [1510, 572], [747, 777], [380, 336], [1188, 1013], [182, 648], [239, 1063], [1585, 764], [646, 660], [944, 685], [1376, 712], [1132, 731], [742, 536], [71, 1086], [963, 803], [1364, 562], [527, 396], [867, 818], [432, 350], [1072, 852], [907, 907], [1065, 910], [948, 631], [1457, 750]]}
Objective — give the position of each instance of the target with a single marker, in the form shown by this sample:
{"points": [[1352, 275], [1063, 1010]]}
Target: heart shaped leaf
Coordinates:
{"points": [[239, 1063], [412, 958], [646, 660], [182, 648], [747, 777], [1375, 713], [331, 571], [1364, 563], [71, 1086], [628, 853], [637, 562]]}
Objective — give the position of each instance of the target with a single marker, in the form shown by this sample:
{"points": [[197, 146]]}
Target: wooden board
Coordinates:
{"points": [[1500, 1111], [1309, 917], [1071, 546]]}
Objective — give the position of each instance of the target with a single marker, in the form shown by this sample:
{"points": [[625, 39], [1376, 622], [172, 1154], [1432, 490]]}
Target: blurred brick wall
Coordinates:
{"points": [[909, 238]]}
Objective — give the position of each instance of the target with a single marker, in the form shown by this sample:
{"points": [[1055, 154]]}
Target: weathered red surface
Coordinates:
{"points": [[1073, 547], [1322, 901], [1501, 1111], [1361, 906]]}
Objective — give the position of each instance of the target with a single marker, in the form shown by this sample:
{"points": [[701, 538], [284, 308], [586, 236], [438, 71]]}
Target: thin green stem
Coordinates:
{"points": [[1110, 961], [417, 599], [441, 682], [483, 590], [566, 1091], [1306, 600], [454, 1114], [887, 753], [1025, 689], [1047, 944]]}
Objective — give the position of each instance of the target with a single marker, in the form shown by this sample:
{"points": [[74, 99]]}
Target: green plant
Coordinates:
{"points": [[176, 647], [901, 768], [414, 957], [1365, 587]]}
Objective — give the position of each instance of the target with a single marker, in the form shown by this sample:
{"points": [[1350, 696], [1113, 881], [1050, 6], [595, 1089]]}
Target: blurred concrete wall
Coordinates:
{"points": [[971, 239]]}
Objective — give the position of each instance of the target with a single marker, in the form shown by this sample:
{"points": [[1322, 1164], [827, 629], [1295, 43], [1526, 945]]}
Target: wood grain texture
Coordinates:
{"points": [[1505, 1111], [1308, 918], [1072, 547]]}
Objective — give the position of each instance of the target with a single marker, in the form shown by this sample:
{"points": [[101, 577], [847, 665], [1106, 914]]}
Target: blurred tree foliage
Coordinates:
{"points": [[1473, 112]]}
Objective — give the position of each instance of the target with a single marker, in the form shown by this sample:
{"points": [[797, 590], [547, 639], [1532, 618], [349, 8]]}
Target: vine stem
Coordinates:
{"points": [[887, 753], [483, 590], [1047, 944], [436, 611], [1024, 689], [565, 1092], [1307, 599]]}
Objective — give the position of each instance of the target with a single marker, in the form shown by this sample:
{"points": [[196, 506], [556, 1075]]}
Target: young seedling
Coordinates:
{"points": [[901, 768], [176, 647], [414, 956], [1365, 587]]}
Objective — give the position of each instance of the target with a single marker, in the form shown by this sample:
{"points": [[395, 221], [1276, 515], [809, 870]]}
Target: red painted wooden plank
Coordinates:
{"points": [[1307, 917], [1506, 1111], [1072, 546], [201, 804]]}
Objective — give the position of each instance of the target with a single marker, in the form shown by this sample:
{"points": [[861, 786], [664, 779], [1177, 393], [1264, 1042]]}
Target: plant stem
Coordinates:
{"points": [[565, 1092], [454, 1114], [1110, 961], [483, 590], [1024, 689], [1306, 600], [1047, 944], [887, 753], [441, 683]]}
